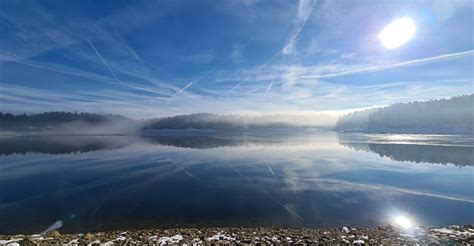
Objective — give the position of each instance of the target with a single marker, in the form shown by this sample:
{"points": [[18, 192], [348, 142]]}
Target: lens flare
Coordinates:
{"points": [[397, 33]]}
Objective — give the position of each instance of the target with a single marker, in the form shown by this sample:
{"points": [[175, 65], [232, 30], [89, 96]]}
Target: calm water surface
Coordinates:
{"points": [[310, 178]]}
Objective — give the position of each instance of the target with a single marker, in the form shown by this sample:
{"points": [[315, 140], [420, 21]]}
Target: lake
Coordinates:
{"points": [[249, 178]]}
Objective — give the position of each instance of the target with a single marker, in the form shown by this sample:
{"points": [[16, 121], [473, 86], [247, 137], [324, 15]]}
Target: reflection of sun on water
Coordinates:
{"points": [[403, 222]]}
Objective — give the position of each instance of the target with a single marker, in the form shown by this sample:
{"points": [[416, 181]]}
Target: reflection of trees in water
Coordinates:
{"points": [[200, 141], [54, 145], [457, 155], [38, 145], [81, 144]]}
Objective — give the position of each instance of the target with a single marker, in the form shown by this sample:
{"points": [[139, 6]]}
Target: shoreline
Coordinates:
{"points": [[387, 235]]}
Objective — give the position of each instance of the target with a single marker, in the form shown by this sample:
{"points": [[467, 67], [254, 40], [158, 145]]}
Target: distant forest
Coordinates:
{"points": [[44, 121], [454, 115], [445, 116], [203, 121]]}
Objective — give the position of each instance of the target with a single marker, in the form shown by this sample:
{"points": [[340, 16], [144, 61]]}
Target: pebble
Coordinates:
{"points": [[386, 235]]}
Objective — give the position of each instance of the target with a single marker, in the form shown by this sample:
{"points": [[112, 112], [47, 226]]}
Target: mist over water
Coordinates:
{"points": [[247, 178]]}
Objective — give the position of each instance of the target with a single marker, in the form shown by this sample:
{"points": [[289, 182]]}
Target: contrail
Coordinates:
{"points": [[389, 188], [271, 171], [182, 89], [189, 84], [304, 11], [269, 87], [105, 197], [378, 68], [183, 170], [302, 18], [258, 69], [272, 197], [103, 60]]}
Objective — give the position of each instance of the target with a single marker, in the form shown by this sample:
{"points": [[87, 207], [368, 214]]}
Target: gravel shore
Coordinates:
{"points": [[387, 235]]}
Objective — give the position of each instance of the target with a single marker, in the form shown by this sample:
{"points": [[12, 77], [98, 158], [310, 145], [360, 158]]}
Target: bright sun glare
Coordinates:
{"points": [[403, 222], [397, 33]]}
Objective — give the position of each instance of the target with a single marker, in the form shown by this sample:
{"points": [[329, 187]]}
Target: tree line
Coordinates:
{"points": [[41, 121], [454, 115]]}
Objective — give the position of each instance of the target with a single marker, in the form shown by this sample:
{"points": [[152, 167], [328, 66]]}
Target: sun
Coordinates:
{"points": [[397, 33]]}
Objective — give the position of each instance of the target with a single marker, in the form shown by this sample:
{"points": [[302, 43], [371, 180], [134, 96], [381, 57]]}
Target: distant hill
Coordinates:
{"points": [[445, 116], [206, 121]]}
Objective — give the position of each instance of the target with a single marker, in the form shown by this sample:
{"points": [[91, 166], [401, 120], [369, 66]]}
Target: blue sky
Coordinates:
{"points": [[157, 58]]}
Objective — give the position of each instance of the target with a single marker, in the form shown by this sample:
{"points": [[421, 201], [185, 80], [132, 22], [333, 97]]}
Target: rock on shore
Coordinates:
{"points": [[386, 235]]}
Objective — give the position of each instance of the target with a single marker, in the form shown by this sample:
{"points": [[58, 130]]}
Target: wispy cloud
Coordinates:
{"points": [[144, 74], [304, 10], [269, 87], [378, 68], [289, 74], [259, 68], [189, 84], [305, 7], [182, 89], [103, 61]]}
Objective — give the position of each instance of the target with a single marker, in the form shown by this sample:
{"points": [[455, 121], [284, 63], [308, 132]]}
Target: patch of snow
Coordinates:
{"points": [[173, 240], [220, 237], [358, 242], [453, 232], [121, 238], [443, 230], [11, 242], [96, 241], [73, 242], [196, 242]]}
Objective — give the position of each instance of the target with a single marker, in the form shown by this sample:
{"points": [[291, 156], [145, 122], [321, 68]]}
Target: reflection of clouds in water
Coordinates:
{"points": [[377, 191], [315, 158], [306, 171]]}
